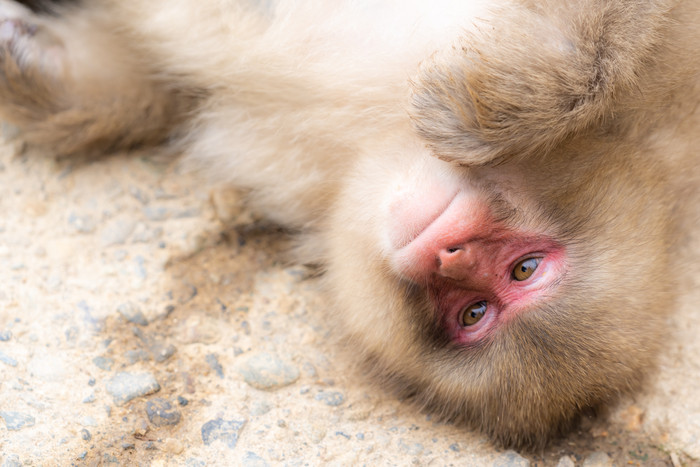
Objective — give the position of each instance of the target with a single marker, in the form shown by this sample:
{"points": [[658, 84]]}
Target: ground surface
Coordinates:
{"points": [[135, 330]]}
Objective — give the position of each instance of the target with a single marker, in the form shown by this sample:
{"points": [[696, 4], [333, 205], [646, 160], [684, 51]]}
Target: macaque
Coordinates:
{"points": [[490, 187]]}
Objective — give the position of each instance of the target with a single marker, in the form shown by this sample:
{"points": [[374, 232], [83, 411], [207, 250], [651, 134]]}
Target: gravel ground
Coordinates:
{"points": [[136, 330]]}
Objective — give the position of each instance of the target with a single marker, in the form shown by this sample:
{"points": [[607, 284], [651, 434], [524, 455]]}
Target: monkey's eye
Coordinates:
{"points": [[525, 268], [473, 314]]}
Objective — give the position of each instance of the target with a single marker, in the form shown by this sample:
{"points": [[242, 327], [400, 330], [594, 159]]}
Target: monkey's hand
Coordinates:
{"points": [[529, 78]]}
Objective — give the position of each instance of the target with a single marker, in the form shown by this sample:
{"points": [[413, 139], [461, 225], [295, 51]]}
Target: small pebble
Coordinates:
{"points": [[182, 401], [187, 293], [5, 336], [142, 234], [332, 398], [566, 461], [97, 324], [117, 232], [219, 429], [17, 420], [253, 460], [134, 356], [140, 428], [124, 386], [132, 314], [85, 434], [598, 459], [89, 421], [318, 432], [260, 408], [310, 370], [267, 371], [156, 213], [82, 224], [160, 412], [173, 445], [162, 352], [412, 449], [12, 461], [188, 213], [72, 333], [7, 360], [128, 446], [140, 265], [511, 459], [137, 193], [89, 399], [213, 361], [103, 363]]}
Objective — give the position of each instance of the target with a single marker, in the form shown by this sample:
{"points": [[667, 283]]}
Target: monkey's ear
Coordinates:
{"points": [[531, 78]]}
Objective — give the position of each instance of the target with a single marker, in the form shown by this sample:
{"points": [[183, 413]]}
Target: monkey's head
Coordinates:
{"points": [[510, 297], [505, 261]]}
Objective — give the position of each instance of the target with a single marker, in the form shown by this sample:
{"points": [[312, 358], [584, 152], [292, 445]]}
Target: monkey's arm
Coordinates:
{"points": [[533, 77]]}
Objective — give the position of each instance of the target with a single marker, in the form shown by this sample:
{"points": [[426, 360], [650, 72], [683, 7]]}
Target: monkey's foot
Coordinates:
{"points": [[32, 62], [71, 86]]}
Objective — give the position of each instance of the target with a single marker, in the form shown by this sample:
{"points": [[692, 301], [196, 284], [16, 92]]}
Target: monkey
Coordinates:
{"points": [[491, 189]]}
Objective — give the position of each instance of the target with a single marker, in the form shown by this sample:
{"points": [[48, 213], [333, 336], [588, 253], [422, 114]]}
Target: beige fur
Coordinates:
{"points": [[580, 116]]}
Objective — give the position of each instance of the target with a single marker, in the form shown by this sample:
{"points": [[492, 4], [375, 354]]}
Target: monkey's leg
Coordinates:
{"points": [[70, 85]]}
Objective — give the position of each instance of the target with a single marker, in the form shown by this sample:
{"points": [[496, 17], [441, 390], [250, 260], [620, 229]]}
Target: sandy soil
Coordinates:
{"points": [[136, 330]]}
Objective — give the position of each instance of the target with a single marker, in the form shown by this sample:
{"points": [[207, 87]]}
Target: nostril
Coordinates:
{"points": [[456, 262]]}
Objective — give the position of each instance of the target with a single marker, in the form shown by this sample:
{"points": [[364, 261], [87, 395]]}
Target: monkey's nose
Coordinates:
{"points": [[456, 262]]}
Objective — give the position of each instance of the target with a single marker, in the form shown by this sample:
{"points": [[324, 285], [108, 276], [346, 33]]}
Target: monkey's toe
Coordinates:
{"points": [[28, 50], [32, 66], [12, 28]]}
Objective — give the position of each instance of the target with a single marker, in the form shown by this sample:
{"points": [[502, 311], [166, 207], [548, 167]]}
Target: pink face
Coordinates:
{"points": [[478, 273]]}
